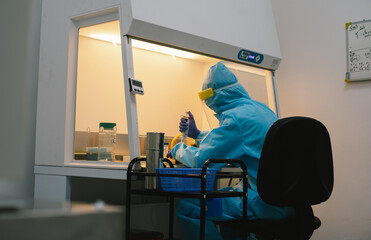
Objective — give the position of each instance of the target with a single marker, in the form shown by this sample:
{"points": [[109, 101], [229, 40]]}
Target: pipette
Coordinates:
{"points": [[185, 134]]}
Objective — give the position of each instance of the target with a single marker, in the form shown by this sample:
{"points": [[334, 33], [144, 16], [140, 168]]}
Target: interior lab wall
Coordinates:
{"points": [[19, 48], [170, 84], [311, 83], [99, 86]]}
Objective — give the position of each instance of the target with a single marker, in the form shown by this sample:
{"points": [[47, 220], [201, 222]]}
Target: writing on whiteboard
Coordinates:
{"points": [[360, 30], [359, 48], [360, 60]]}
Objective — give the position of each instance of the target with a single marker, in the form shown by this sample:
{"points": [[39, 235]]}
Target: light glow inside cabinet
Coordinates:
{"points": [[171, 79]]}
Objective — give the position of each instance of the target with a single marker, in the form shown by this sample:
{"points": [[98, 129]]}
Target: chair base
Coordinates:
{"points": [[271, 229]]}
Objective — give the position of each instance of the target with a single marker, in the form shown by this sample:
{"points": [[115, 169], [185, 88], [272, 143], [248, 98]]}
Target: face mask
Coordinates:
{"points": [[211, 116]]}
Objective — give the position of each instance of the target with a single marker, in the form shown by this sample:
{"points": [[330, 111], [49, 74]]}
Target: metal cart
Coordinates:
{"points": [[202, 195]]}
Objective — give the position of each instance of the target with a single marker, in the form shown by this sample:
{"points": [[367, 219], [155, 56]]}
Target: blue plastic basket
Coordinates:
{"points": [[184, 184]]}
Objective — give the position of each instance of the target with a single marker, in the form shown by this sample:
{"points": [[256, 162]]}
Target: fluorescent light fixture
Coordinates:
{"points": [[115, 39], [161, 49]]}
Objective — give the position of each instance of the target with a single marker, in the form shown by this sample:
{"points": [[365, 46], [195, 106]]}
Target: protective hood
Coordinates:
{"points": [[219, 78]]}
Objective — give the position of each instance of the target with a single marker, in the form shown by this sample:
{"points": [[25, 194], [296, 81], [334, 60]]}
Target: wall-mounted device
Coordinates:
{"points": [[136, 86]]}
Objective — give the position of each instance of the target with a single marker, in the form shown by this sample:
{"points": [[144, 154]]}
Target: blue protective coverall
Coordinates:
{"points": [[243, 125]]}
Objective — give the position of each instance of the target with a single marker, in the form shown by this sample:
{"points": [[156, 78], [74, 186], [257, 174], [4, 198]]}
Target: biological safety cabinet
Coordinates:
{"points": [[92, 54]]}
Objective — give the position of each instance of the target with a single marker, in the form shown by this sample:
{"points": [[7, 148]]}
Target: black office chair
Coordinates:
{"points": [[295, 170]]}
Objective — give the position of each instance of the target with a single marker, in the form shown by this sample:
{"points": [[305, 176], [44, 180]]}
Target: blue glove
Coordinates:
{"points": [[193, 132], [169, 154]]}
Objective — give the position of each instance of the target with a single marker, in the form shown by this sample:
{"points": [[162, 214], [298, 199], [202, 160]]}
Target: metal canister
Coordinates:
{"points": [[155, 151]]}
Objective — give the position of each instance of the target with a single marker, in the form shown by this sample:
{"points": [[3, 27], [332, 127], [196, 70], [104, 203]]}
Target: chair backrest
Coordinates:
{"points": [[296, 165]]}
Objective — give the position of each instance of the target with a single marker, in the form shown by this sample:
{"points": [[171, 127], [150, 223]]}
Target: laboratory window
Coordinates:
{"points": [[100, 119]]}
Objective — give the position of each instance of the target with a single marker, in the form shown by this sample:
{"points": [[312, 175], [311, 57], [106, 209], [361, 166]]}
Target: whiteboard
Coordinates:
{"points": [[358, 36]]}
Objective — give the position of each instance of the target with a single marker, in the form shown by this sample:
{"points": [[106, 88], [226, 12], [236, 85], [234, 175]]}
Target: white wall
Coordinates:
{"points": [[311, 83], [19, 54]]}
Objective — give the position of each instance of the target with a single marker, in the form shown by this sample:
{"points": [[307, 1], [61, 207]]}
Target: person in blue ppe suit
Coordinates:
{"points": [[243, 125]]}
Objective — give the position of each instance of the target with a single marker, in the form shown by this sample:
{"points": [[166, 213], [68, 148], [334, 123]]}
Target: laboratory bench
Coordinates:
{"points": [[53, 183]]}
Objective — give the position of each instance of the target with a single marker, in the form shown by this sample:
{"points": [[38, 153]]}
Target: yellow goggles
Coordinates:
{"points": [[208, 93], [205, 94]]}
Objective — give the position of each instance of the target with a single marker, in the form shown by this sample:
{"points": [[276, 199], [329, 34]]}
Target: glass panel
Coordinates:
{"points": [[257, 82], [100, 95], [171, 81]]}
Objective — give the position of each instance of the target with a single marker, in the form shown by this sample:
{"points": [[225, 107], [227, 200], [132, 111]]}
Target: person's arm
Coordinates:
{"points": [[200, 137], [222, 142]]}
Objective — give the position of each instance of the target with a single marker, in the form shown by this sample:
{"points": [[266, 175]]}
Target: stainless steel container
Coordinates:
{"points": [[155, 151]]}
